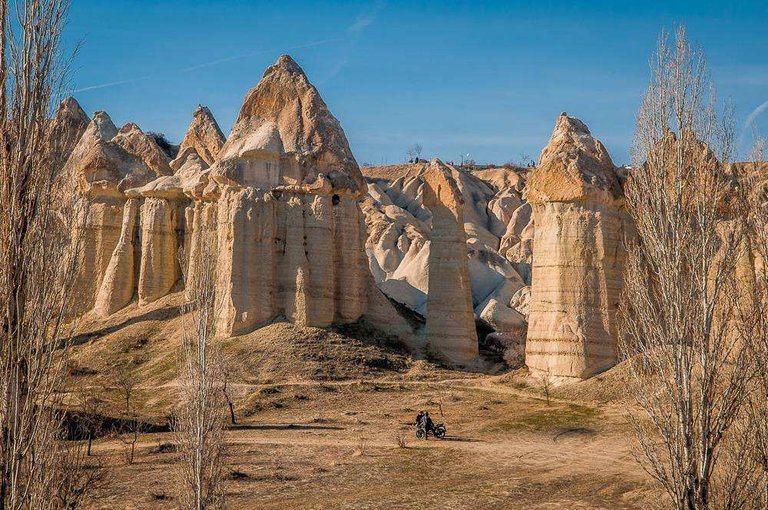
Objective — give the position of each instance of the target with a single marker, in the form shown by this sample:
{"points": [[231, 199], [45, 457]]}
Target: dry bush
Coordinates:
{"points": [[401, 440], [361, 448], [689, 367], [545, 382], [91, 417]]}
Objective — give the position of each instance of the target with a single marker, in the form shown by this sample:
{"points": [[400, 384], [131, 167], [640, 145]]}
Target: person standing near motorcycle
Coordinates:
{"points": [[429, 425], [419, 417]]}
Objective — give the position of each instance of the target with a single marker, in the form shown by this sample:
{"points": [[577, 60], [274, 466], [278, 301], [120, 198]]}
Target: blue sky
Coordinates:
{"points": [[484, 78]]}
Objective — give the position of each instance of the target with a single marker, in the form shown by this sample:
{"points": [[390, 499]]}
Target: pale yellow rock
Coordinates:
{"points": [[319, 230], [247, 274], [450, 327], [279, 203], [204, 136], [398, 246], [577, 255], [285, 135], [201, 238], [119, 283], [103, 165], [98, 238], [159, 263], [67, 127], [293, 259], [351, 265]]}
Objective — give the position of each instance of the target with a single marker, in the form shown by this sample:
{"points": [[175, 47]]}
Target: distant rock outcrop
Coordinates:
{"points": [[204, 136], [400, 229], [577, 253]]}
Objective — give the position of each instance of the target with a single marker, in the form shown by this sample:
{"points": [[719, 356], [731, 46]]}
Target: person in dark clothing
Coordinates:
{"points": [[429, 426], [419, 417]]}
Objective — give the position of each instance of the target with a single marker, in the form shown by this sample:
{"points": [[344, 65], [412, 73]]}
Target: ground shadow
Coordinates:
{"points": [[283, 426], [160, 313], [573, 431], [458, 439]]}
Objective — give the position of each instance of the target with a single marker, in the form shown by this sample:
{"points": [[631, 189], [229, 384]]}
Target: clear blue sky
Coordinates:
{"points": [[485, 78]]}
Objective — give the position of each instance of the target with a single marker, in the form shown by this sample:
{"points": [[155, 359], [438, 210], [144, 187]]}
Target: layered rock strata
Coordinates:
{"points": [[450, 328], [577, 209]]}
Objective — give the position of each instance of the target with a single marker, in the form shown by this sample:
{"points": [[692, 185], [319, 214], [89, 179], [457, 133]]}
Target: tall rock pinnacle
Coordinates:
{"points": [[577, 255], [285, 135]]}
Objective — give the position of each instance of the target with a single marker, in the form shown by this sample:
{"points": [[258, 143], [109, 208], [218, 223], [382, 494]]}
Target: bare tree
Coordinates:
{"points": [[91, 419], [689, 368], [38, 257], [130, 427], [201, 418], [125, 382], [228, 397], [414, 152]]}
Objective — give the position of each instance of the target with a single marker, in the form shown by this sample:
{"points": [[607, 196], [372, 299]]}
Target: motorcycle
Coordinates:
{"points": [[437, 431]]}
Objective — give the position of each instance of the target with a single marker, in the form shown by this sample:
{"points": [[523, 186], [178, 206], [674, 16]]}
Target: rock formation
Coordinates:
{"points": [[204, 136], [400, 227], [289, 214], [577, 260], [278, 201], [104, 164], [283, 215], [450, 320], [68, 125]]}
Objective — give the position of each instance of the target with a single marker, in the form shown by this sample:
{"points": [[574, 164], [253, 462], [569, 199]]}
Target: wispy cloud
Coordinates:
{"points": [[755, 113], [202, 65], [354, 31], [259, 52], [109, 84], [362, 22]]}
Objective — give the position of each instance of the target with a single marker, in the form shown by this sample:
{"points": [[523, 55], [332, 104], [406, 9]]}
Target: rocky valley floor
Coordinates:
{"points": [[321, 414]]}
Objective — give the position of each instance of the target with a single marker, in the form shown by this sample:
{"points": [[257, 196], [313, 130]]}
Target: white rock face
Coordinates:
{"points": [[577, 255], [102, 166], [400, 229], [159, 256]]}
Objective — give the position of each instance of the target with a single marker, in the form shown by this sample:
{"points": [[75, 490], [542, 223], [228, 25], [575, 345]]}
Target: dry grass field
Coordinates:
{"points": [[323, 415]]}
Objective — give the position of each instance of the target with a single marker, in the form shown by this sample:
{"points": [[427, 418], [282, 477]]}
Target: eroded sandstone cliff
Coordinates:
{"points": [[577, 209], [278, 201]]}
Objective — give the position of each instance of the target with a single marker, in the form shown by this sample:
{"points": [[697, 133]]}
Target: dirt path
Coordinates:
{"points": [[330, 444]]}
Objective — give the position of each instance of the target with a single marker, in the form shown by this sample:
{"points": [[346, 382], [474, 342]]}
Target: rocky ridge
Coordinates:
{"points": [[295, 229]]}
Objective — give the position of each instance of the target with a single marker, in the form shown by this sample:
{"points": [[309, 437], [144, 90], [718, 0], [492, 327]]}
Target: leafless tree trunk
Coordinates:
{"points": [[690, 370], [38, 258], [201, 418]]}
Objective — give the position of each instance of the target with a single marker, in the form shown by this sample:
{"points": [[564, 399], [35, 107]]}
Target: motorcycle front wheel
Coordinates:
{"points": [[420, 434]]}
